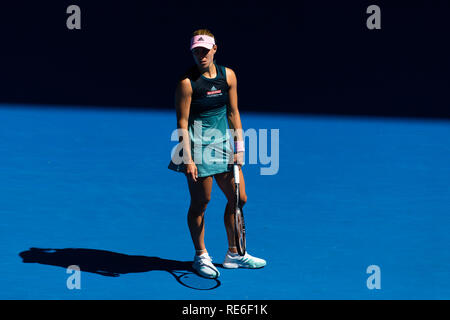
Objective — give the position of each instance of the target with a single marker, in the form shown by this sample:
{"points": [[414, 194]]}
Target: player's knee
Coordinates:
{"points": [[243, 199], [199, 205]]}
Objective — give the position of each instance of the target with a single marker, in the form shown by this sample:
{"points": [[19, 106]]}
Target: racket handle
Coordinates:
{"points": [[236, 173]]}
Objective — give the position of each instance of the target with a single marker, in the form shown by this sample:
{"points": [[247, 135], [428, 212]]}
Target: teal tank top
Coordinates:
{"points": [[211, 148]]}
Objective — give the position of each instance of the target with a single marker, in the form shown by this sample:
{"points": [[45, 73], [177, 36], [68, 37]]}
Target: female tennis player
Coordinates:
{"points": [[205, 101]]}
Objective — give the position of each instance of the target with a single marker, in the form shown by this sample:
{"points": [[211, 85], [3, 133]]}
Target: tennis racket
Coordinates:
{"points": [[239, 225]]}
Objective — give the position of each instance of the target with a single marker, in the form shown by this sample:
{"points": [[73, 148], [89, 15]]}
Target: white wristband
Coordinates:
{"points": [[239, 146]]}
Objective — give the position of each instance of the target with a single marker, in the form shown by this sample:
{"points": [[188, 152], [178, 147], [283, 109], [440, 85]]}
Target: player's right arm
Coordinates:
{"points": [[183, 97]]}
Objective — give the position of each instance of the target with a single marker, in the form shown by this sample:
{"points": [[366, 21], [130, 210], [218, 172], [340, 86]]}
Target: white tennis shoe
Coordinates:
{"points": [[204, 266], [234, 260]]}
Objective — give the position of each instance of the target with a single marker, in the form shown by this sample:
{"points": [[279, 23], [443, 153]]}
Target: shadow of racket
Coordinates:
{"points": [[194, 281]]}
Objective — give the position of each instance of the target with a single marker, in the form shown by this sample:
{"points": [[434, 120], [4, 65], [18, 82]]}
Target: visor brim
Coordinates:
{"points": [[202, 44]]}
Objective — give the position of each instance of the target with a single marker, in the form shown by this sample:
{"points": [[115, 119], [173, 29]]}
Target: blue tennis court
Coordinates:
{"points": [[91, 188]]}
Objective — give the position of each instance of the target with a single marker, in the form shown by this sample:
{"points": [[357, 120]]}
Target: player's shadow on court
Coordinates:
{"points": [[113, 264]]}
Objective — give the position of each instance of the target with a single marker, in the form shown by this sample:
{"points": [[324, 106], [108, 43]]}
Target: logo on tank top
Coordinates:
{"points": [[214, 92]]}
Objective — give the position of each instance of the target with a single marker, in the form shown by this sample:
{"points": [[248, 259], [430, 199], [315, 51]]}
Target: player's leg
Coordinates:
{"points": [[200, 192], [225, 181], [200, 196], [232, 258]]}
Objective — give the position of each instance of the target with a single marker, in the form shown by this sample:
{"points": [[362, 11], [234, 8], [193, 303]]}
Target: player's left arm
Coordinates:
{"points": [[234, 118]]}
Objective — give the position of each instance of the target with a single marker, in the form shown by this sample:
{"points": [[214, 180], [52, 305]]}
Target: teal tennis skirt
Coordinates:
{"points": [[210, 140]]}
